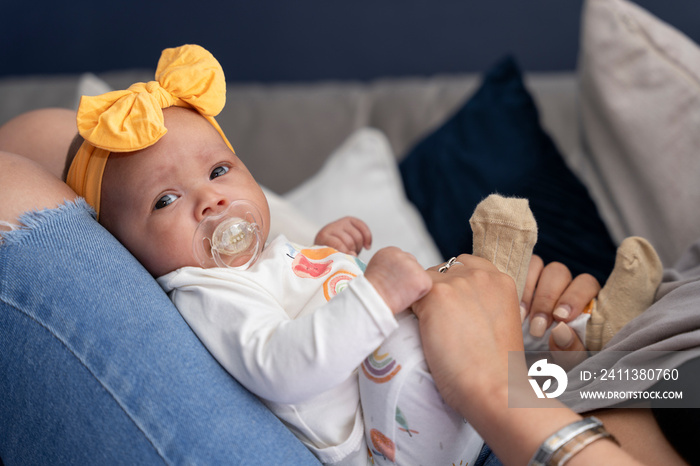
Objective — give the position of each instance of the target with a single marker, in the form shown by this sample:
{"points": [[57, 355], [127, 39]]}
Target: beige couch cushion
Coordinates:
{"points": [[640, 109], [285, 132]]}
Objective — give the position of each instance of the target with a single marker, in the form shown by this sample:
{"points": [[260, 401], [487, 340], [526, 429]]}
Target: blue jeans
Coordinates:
{"points": [[487, 458], [98, 367]]}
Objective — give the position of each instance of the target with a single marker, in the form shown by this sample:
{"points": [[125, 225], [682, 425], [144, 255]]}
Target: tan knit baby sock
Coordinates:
{"points": [[505, 232], [629, 290]]}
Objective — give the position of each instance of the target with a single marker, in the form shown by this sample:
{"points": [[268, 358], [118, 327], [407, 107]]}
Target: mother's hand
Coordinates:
{"points": [[468, 322], [552, 294]]}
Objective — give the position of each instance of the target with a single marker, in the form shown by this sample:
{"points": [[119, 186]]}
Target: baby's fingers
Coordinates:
{"points": [[342, 242], [360, 233]]}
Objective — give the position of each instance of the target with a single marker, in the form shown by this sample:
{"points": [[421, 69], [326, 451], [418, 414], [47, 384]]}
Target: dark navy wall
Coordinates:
{"points": [[295, 40]]}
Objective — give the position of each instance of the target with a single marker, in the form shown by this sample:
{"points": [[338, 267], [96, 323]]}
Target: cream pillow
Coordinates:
{"points": [[361, 179], [640, 114], [286, 219]]}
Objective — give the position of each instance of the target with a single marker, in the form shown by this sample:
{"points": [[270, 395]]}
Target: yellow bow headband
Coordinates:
{"points": [[130, 120]]}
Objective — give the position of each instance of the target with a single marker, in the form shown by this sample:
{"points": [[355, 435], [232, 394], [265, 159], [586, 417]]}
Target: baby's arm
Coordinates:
{"points": [[348, 235], [280, 359], [395, 274]]}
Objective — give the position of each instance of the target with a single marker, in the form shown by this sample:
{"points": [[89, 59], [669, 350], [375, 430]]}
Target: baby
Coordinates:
{"points": [[292, 324]]}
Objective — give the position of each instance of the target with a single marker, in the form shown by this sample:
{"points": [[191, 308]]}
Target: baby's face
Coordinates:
{"points": [[154, 199]]}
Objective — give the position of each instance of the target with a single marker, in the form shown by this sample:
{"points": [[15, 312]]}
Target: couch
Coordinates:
{"points": [[608, 151]]}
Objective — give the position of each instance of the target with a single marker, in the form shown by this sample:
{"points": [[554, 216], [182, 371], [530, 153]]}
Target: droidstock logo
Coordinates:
{"points": [[542, 368]]}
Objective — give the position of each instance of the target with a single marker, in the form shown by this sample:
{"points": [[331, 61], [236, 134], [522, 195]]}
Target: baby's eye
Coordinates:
{"points": [[218, 171], [165, 201]]}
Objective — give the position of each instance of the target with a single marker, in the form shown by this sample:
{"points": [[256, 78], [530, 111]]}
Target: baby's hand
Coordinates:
{"points": [[398, 278], [348, 235]]}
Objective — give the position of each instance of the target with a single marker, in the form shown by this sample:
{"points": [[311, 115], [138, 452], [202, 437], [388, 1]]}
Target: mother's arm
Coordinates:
{"points": [[469, 322], [33, 149], [87, 368], [41, 135]]}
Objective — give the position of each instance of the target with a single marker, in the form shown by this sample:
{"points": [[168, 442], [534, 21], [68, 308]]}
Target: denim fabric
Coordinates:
{"points": [[487, 458], [98, 367]]}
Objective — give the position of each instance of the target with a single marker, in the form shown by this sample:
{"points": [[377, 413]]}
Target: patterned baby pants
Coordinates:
{"points": [[406, 420]]}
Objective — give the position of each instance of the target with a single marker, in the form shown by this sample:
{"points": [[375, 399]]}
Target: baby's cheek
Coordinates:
{"points": [[166, 252]]}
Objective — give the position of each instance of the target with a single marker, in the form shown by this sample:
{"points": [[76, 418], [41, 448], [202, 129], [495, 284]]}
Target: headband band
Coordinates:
{"points": [[125, 121]]}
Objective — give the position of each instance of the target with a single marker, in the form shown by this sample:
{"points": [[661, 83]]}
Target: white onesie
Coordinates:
{"points": [[275, 328]]}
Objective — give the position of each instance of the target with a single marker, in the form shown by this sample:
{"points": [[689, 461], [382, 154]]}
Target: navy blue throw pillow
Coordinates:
{"points": [[494, 144]]}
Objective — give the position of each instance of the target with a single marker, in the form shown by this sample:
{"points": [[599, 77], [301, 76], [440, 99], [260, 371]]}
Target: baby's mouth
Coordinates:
{"points": [[232, 238]]}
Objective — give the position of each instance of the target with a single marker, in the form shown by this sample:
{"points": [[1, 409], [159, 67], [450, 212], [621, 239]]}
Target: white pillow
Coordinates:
{"points": [[361, 179], [286, 219], [640, 114]]}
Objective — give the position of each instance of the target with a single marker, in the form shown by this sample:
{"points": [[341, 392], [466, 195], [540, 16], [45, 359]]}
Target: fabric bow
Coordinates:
{"points": [[129, 120]]}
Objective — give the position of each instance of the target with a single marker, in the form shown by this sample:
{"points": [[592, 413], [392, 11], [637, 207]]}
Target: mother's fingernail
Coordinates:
{"points": [[538, 325], [523, 312], [562, 312], [562, 335]]}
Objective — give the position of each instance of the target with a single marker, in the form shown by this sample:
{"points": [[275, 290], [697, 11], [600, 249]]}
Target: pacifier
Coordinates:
{"points": [[230, 239]]}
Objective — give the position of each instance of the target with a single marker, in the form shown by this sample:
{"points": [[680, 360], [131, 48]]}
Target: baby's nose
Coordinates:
{"points": [[211, 204]]}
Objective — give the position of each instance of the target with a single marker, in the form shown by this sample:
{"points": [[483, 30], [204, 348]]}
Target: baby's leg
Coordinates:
{"points": [[406, 420], [627, 293], [505, 232], [629, 290]]}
